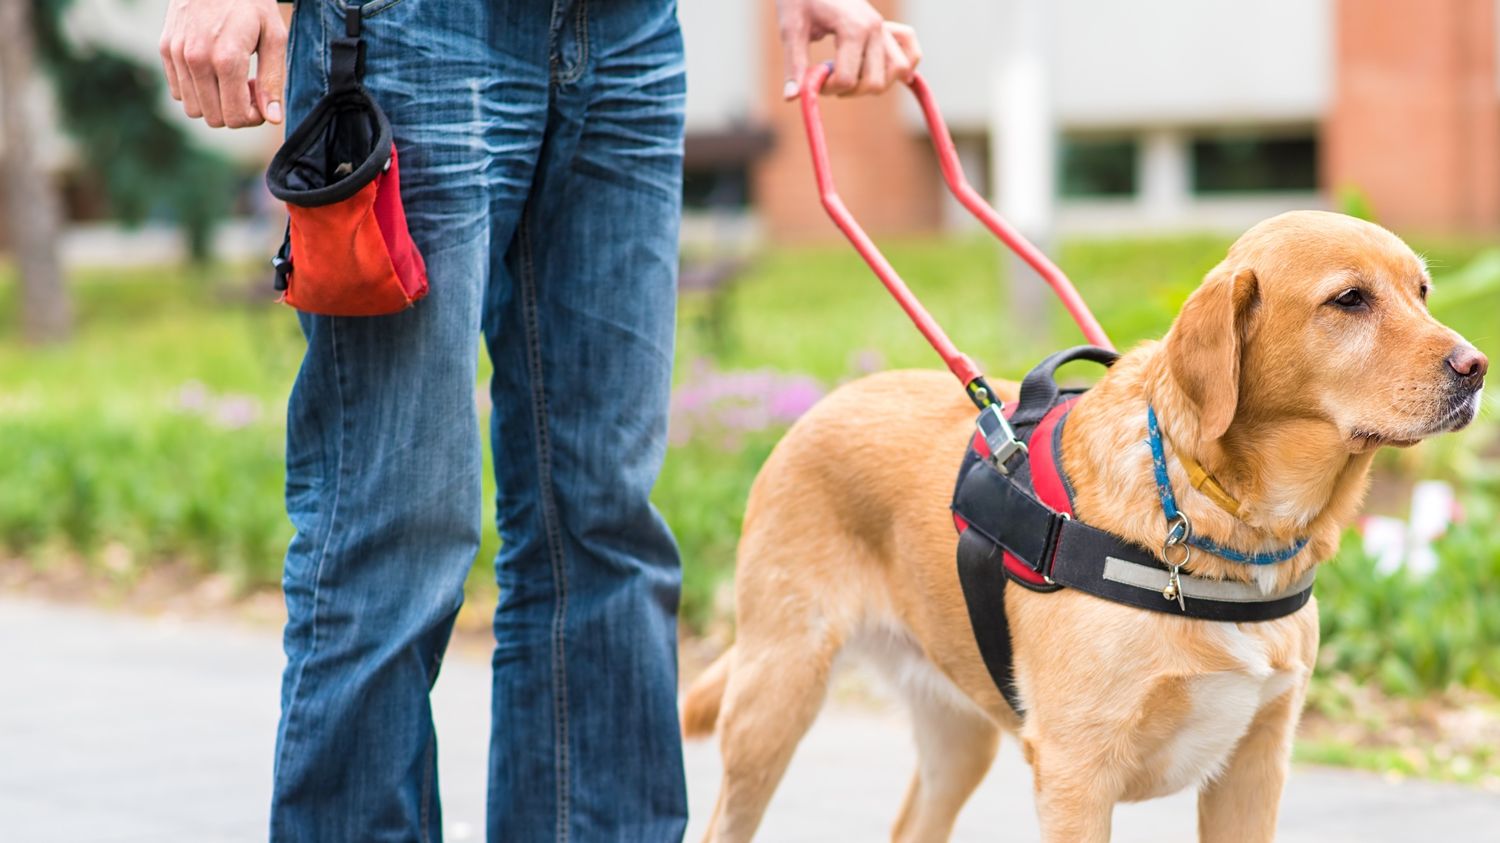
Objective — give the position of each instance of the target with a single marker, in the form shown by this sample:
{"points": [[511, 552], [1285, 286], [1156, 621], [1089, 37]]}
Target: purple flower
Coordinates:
{"points": [[868, 362], [794, 398], [236, 412], [721, 406], [193, 397], [230, 412]]}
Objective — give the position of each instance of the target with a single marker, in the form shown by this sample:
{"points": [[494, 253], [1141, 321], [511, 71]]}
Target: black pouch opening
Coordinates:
{"points": [[340, 147]]}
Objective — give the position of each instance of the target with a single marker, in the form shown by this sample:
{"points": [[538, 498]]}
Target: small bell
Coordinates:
{"points": [[1173, 591]]}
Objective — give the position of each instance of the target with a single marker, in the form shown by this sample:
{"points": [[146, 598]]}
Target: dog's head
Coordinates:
{"points": [[1320, 316]]}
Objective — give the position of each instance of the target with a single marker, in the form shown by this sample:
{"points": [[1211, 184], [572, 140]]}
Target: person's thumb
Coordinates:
{"points": [[270, 69], [796, 62]]}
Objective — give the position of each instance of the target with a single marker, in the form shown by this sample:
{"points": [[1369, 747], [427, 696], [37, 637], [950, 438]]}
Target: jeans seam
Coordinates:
{"points": [[333, 511], [581, 27], [426, 808], [323, 50], [549, 520]]}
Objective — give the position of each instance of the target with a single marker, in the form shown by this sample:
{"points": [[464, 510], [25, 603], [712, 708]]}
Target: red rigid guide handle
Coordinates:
{"points": [[953, 174]]}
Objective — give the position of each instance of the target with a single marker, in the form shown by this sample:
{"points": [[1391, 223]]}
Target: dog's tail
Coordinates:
{"points": [[700, 708]]}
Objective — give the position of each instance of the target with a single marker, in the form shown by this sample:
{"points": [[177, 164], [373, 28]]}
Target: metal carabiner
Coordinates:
{"points": [[999, 437], [1179, 529]]}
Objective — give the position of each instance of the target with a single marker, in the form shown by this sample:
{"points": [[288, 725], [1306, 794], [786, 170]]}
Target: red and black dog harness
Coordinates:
{"points": [[1013, 507]]}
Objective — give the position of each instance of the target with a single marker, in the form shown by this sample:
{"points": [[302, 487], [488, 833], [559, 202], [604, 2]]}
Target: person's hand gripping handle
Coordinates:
{"points": [[870, 53]]}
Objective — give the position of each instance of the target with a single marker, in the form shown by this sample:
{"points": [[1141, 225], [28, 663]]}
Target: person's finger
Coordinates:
{"points": [[185, 78], [251, 91], [872, 74], [849, 51], [232, 76], [795, 36], [164, 49], [200, 64], [897, 66], [906, 37], [270, 67]]}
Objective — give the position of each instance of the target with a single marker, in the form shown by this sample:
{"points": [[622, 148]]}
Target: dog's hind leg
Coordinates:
{"points": [[956, 744], [772, 697]]}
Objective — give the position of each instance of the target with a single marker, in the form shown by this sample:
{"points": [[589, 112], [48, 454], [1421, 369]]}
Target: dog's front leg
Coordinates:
{"points": [[1073, 815], [1240, 805], [1072, 804]]}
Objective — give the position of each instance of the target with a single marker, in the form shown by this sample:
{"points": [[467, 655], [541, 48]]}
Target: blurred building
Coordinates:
{"points": [[1148, 115], [1163, 114]]}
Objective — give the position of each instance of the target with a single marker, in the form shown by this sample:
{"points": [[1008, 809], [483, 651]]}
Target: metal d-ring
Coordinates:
{"points": [[1173, 591], [1179, 530]]}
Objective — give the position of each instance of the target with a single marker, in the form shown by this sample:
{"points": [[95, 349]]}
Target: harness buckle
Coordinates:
{"points": [[999, 437], [1052, 543]]}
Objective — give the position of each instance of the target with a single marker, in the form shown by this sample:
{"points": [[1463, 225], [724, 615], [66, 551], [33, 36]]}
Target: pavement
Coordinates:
{"points": [[120, 727]]}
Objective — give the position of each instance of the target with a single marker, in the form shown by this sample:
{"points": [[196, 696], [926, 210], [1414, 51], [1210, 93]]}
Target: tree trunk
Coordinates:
{"points": [[31, 206]]}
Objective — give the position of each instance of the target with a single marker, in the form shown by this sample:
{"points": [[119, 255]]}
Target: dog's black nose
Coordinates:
{"points": [[1468, 364]]}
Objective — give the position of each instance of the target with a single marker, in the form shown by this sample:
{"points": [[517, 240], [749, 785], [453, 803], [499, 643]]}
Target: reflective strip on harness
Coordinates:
{"points": [[1197, 588]]}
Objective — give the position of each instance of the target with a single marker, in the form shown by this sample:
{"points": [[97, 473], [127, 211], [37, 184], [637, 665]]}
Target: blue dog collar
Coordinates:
{"points": [[1179, 529]]}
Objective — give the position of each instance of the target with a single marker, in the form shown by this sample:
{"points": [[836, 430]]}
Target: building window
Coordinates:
{"points": [[1098, 167], [715, 188], [716, 166], [1255, 163]]}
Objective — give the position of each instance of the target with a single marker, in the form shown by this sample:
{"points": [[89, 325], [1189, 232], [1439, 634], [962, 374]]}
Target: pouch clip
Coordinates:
{"points": [[347, 67], [282, 262]]}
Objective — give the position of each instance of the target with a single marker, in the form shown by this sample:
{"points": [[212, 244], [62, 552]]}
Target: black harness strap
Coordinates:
{"points": [[981, 572], [1081, 562], [1001, 514], [1073, 554]]}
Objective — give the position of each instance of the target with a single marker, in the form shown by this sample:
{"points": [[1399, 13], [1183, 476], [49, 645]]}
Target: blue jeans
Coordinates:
{"points": [[540, 154]]}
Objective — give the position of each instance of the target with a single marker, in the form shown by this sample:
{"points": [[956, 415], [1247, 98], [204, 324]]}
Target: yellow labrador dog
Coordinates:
{"points": [[1307, 349]]}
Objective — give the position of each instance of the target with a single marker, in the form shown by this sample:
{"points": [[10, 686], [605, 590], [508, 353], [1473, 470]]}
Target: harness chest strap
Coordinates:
{"points": [[1067, 552], [1019, 526]]}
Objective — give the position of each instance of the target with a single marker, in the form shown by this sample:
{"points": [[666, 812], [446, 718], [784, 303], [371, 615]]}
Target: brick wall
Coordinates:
{"points": [[1415, 118], [885, 173]]}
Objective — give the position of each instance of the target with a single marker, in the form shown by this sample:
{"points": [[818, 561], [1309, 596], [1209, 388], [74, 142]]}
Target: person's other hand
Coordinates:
{"points": [[870, 53], [205, 50]]}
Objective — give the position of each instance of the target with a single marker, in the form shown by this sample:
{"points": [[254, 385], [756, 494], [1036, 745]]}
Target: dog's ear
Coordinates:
{"points": [[1203, 347]]}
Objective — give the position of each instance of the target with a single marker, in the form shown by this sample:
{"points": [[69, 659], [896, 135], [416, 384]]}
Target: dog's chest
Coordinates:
{"points": [[1219, 709]]}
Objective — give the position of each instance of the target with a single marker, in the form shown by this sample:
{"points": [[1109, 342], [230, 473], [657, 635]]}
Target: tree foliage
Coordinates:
{"points": [[110, 104]]}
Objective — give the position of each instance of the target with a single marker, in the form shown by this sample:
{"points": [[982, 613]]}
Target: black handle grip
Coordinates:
{"points": [[1039, 388]]}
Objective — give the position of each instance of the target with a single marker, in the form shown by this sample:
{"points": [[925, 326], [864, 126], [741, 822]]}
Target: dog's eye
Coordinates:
{"points": [[1350, 299], [1424, 292]]}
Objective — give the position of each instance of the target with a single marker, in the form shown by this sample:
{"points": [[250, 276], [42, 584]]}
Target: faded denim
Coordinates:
{"points": [[541, 154]]}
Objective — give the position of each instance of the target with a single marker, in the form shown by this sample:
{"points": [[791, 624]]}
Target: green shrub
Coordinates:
{"points": [[174, 486], [1411, 634]]}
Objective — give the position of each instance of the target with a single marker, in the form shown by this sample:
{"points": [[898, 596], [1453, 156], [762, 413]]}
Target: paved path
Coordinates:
{"points": [[123, 728]]}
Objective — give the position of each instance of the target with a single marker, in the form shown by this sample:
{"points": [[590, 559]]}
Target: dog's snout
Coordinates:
{"points": [[1468, 364]]}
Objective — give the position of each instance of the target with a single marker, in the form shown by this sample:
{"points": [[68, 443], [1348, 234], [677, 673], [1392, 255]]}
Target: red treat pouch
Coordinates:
{"points": [[347, 250]]}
